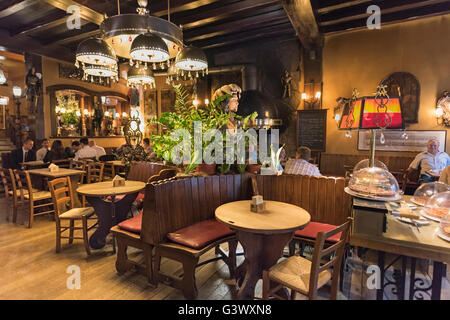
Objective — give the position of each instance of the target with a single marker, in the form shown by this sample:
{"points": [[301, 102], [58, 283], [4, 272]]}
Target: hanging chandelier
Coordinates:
{"points": [[149, 49], [97, 59], [193, 61], [120, 31], [147, 41], [140, 76]]}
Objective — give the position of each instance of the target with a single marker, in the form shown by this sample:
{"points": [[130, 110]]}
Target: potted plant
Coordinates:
{"points": [[272, 167], [211, 117]]}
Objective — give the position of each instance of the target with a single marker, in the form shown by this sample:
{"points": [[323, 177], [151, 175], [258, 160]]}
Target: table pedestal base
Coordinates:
{"points": [[261, 252], [109, 213]]}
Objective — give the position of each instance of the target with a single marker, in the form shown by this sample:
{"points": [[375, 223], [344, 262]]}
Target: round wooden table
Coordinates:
{"points": [[109, 212], [262, 235]]}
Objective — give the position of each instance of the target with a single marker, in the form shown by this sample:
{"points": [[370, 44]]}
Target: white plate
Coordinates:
{"points": [[441, 235], [415, 202], [420, 222], [366, 196], [422, 212]]}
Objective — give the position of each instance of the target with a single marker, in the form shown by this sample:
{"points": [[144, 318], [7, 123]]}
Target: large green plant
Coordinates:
{"points": [[211, 117], [71, 106]]}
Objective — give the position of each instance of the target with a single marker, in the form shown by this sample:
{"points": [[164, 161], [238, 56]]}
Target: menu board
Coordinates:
{"points": [[312, 129]]}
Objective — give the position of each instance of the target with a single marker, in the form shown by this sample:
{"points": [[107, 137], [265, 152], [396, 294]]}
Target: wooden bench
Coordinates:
{"points": [[190, 203], [128, 233]]}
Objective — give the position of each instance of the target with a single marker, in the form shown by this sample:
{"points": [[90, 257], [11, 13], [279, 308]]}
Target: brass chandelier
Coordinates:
{"points": [[147, 41]]}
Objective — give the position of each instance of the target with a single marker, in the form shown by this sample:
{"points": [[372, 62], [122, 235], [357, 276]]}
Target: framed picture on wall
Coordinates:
{"points": [[395, 140]]}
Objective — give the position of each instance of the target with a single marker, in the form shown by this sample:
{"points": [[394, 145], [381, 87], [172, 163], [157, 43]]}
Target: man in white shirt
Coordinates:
{"points": [[45, 147], [430, 160], [300, 165], [85, 151], [98, 149]]}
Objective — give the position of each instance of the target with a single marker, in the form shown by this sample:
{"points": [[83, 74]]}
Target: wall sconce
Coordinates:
{"points": [[86, 112], [124, 115], [442, 111], [206, 101], [312, 95]]}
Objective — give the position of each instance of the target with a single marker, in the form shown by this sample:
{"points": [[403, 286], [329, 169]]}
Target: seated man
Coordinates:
{"points": [[85, 151], [45, 147], [100, 150], [432, 159], [70, 151], [300, 165], [24, 154]]}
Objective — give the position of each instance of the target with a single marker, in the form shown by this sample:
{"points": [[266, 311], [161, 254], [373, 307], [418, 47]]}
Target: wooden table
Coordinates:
{"points": [[109, 212], [406, 241], [262, 235], [62, 172], [33, 164]]}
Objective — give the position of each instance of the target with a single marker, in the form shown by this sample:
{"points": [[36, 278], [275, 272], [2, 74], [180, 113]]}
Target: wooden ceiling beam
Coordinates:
{"points": [[302, 17], [341, 6], [179, 6], [404, 6], [86, 13], [77, 37], [16, 8], [267, 19], [391, 18], [283, 28], [27, 44], [276, 36], [40, 28], [205, 17]]}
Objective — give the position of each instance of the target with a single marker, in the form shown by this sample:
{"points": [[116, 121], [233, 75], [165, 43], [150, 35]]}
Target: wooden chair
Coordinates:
{"points": [[304, 276], [95, 172], [410, 180], [63, 163], [7, 175], [38, 202], [109, 171], [62, 197]]}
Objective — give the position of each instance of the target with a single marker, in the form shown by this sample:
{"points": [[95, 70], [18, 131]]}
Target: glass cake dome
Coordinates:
{"points": [[427, 190], [365, 164], [444, 226], [374, 181], [438, 206]]}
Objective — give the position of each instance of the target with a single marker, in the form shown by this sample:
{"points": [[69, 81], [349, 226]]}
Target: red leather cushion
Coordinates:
{"points": [[140, 196], [133, 224], [313, 228], [200, 234]]}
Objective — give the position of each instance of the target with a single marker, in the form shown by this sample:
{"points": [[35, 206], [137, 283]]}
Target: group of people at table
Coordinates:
{"points": [[79, 149], [432, 163]]}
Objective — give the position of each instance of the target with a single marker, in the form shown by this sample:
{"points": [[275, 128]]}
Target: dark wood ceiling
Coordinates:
{"points": [[337, 15], [39, 26]]}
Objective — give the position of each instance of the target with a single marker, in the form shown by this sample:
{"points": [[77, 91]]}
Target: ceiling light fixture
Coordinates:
{"points": [[142, 77], [193, 61]]}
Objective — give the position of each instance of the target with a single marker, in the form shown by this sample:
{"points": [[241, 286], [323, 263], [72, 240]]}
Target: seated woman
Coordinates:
{"points": [[56, 152]]}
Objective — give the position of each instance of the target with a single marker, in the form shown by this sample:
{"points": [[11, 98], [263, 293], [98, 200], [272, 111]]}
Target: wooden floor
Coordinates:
{"points": [[30, 269]]}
